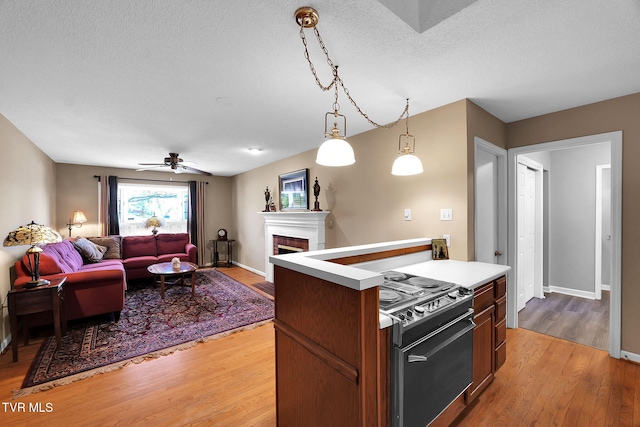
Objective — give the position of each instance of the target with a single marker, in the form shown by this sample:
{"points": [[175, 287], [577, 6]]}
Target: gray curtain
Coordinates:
{"points": [[197, 192], [114, 225]]}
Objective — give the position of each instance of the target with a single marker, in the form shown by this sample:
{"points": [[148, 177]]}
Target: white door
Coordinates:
{"points": [[603, 230], [490, 203], [486, 207], [526, 231]]}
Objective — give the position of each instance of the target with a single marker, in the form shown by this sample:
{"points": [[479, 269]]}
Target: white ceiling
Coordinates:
{"points": [[115, 83]]}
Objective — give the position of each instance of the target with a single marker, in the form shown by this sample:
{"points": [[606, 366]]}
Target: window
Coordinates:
{"points": [[139, 202]]}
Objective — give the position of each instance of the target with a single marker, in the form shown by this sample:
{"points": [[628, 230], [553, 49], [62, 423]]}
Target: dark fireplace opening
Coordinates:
{"points": [[284, 249], [287, 245]]}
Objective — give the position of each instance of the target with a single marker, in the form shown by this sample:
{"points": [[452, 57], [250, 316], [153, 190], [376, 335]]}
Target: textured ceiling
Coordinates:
{"points": [[115, 83]]}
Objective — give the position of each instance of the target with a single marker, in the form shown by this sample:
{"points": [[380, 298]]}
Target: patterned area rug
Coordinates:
{"points": [[149, 327]]}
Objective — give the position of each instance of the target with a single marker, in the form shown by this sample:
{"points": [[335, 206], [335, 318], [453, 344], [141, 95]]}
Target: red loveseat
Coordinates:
{"points": [[139, 252], [90, 289]]}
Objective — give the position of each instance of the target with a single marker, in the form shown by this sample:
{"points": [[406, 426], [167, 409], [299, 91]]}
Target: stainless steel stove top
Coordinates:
{"points": [[410, 298]]}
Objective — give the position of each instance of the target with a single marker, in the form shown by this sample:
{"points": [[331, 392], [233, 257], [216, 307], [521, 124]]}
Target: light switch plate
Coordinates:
{"points": [[447, 237], [407, 214], [446, 214]]}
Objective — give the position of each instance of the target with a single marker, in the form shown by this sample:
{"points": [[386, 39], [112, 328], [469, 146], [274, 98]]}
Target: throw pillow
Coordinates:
{"points": [[89, 251], [112, 243]]}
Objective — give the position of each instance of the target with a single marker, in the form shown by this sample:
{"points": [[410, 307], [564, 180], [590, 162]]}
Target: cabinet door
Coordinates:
{"points": [[483, 353]]}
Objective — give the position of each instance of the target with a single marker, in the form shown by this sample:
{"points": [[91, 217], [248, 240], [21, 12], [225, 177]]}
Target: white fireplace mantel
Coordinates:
{"points": [[303, 225]]}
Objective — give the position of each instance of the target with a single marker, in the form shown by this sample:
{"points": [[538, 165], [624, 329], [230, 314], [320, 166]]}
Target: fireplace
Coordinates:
{"points": [[288, 244], [293, 232]]}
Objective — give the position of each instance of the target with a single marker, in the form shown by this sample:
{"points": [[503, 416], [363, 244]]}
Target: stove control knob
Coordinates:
{"points": [[438, 303], [409, 313], [401, 316], [453, 295], [419, 309]]}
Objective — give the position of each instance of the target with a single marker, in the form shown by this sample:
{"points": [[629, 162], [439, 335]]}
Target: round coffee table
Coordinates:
{"points": [[165, 269]]}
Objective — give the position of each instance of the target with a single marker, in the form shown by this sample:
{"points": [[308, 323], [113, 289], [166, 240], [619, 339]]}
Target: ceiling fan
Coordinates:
{"points": [[175, 163]]}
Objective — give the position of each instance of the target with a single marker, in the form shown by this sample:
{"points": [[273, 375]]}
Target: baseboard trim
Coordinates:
{"points": [[253, 270], [606, 288], [627, 355], [5, 344], [572, 292]]}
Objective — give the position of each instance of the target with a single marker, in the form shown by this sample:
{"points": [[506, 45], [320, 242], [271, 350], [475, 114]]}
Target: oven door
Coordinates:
{"points": [[432, 372]]}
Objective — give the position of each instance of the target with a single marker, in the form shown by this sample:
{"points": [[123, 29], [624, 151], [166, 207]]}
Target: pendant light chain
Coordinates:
{"points": [[338, 81]]}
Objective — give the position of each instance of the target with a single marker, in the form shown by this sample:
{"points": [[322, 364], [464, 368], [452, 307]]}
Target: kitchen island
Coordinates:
{"points": [[332, 343]]}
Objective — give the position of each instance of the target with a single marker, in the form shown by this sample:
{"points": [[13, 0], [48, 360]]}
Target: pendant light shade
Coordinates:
{"points": [[407, 164], [335, 152]]}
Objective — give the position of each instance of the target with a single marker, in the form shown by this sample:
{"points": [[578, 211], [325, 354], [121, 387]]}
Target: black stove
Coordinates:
{"points": [[412, 300]]}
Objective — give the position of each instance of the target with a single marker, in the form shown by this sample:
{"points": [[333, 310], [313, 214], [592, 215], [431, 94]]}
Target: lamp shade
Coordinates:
{"points": [[335, 152], [407, 164], [32, 234], [79, 217], [154, 221]]}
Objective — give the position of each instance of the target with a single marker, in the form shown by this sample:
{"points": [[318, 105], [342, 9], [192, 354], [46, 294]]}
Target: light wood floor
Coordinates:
{"points": [[580, 320], [231, 382]]}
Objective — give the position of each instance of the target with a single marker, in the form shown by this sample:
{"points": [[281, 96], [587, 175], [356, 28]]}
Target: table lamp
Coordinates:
{"points": [[154, 222], [33, 234]]}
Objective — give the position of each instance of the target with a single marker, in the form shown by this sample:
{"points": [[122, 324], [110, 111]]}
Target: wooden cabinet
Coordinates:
{"points": [[489, 335], [500, 333], [483, 340]]}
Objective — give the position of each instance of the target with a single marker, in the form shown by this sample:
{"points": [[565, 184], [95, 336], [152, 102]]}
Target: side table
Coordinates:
{"points": [[216, 256], [25, 301]]}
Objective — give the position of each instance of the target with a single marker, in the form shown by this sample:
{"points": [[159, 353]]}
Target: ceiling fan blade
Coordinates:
{"points": [[150, 168], [152, 164], [194, 170]]}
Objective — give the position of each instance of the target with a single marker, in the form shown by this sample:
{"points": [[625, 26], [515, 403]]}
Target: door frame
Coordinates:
{"points": [[501, 155], [598, 245], [615, 139], [538, 267]]}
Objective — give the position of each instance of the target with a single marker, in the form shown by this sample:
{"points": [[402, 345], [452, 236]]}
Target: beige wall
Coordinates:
{"points": [[27, 192], [365, 200], [607, 116], [78, 189], [483, 125]]}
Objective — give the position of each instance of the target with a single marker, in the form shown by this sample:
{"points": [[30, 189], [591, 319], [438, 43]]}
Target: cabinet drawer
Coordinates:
{"points": [[483, 297], [500, 287], [501, 332], [501, 355], [501, 308]]}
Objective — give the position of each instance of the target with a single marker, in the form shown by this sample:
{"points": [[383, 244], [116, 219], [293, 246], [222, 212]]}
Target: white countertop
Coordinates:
{"points": [[468, 274]]}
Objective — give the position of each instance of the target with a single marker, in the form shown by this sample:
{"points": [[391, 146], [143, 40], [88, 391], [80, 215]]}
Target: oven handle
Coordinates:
{"points": [[466, 316], [418, 358]]}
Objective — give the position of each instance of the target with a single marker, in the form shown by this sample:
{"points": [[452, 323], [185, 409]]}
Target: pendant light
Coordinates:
{"points": [[407, 162], [335, 150]]}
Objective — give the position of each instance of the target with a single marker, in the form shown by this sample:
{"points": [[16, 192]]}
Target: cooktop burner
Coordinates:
{"points": [[401, 288]]}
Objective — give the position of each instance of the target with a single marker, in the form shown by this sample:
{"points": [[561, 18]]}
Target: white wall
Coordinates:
{"points": [[572, 190]]}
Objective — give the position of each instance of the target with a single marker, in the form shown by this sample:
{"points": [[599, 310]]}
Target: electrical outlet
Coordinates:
{"points": [[447, 237], [407, 214], [446, 214]]}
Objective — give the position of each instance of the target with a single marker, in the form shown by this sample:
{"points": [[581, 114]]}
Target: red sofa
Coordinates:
{"points": [[139, 252], [99, 288], [90, 289]]}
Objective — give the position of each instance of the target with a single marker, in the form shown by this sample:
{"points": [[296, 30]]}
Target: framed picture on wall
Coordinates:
{"points": [[439, 249], [294, 190]]}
